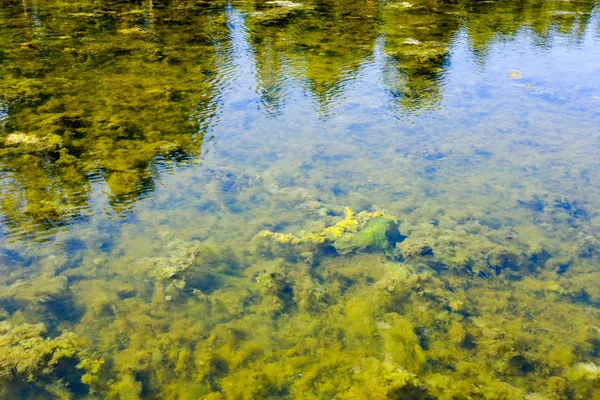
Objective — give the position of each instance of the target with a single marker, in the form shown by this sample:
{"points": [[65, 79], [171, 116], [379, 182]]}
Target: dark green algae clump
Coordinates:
{"points": [[351, 310]]}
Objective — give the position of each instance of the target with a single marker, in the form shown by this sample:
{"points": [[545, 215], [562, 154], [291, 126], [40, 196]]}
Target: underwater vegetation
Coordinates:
{"points": [[354, 308], [355, 233], [314, 256], [33, 365]]}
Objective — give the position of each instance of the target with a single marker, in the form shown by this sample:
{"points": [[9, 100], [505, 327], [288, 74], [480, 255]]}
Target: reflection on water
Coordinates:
{"points": [[113, 92], [70, 125], [178, 180]]}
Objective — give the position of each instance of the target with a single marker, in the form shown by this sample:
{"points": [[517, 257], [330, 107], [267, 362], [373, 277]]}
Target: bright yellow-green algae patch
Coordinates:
{"points": [[290, 316], [355, 233]]}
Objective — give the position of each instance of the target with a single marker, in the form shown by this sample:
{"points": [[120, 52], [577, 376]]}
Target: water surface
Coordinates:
{"points": [[327, 199]]}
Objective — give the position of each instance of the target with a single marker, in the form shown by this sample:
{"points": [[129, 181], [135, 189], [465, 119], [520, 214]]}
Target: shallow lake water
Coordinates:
{"points": [[319, 200]]}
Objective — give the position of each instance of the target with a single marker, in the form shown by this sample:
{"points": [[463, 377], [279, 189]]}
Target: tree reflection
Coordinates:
{"points": [[114, 90], [109, 91]]}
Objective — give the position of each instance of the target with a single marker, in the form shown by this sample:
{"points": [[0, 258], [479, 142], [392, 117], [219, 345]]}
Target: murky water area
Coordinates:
{"points": [[299, 200]]}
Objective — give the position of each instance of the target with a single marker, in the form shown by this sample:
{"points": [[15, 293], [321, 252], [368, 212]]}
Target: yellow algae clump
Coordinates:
{"points": [[33, 144], [348, 224], [585, 371], [584, 379], [402, 343], [381, 380], [356, 232], [283, 238], [139, 33], [127, 388], [515, 74], [25, 353]]}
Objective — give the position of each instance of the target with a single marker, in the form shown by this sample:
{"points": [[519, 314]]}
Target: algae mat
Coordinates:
{"points": [[299, 200]]}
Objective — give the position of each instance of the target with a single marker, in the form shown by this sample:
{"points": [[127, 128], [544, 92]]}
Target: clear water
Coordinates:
{"points": [[146, 147]]}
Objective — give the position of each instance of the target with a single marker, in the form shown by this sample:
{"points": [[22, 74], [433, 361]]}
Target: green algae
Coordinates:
{"points": [[375, 231], [363, 323], [26, 355]]}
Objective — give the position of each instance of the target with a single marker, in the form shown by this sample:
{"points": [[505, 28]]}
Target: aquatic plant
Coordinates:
{"points": [[67, 133], [27, 355], [201, 322], [366, 231]]}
